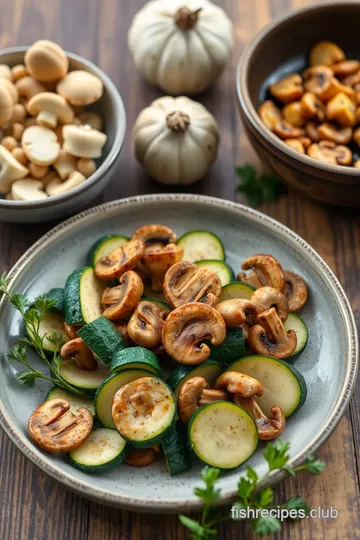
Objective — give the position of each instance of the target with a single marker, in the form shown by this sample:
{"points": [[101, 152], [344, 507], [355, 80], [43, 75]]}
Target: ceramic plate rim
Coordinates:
{"points": [[188, 504]]}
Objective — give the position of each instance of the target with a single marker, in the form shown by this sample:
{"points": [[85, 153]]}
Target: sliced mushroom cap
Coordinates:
{"points": [[195, 393], [146, 324], [83, 141], [141, 457], [352, 80], [285, 130], [267, 269], [312, 107], [295, 291], [188, 329], [158, 259], [71, 330], [120, 301], [338, 135], [27, 189], [342, 109], [120, 261], [239, 384], [270, 337], [345, 68], [296, 145], [270, 114], [54, 428], [292, 113], [326, 53], [311, 130], [237, 311], [288, 89], [50, 109], [155, 234], [186, 282], [40, 145], [329, 152], [80, 352], [268, 428], [267, 297]]}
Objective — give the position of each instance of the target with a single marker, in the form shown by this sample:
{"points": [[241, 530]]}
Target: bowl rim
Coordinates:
{"points": [[189, 504], [114, 150], [250, 111]]}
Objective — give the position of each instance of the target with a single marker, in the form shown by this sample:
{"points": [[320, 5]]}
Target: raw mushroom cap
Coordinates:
{"points": [[46, 61], [10, 170], [80, 88], [40, 145], [50, 109]]}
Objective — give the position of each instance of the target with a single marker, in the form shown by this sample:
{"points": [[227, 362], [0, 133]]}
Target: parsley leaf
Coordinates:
{"points": [[262, 525], [257, 189], [276, 454]]}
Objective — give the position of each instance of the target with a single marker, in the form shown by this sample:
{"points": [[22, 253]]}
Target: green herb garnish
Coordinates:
{"points": [[266, 187]]}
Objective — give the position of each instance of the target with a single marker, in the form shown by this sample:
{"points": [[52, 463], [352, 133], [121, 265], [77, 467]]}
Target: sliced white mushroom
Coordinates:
{"points": [[50, 109], [83, 141], [65, 164], [80, 88], [28, 190], [56, 187], [10, 170], [40, 145]]}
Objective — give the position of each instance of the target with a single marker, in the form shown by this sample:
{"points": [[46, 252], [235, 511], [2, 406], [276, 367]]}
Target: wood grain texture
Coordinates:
{"points": [[32, 506]]}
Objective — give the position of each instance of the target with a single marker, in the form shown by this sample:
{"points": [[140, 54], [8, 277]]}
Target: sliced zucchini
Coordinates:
{"points": [[158, 302], [57, 295], [107, 390], [176, 450], [75, 401], [222, 269], [199, 245], [236, 289], [222, 434], [103, 449], [82, 299], [135, 358], [144, 411], [295, 322], [149, 293], [283, 384], [52, 322], [102, 338], [86, 380], [232, 348], [209, 370], [104, 246]]}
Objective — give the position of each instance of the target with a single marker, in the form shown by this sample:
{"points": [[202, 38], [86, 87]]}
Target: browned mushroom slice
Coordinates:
{"points": [[312, 107], [270, 114], [342, 109], [158, 259], [120, 261], [357, 136], [268, 428], [141, 457], [155, 234], [296, 145], [325, 53], [285, 130], [270, 337], [357, 164], [187, 331], [312, 131], [186, 282], [292, 113], [54, 428], [267, 297], [237, 311], [267, 269], [295, 291], [120, 301], [346, 68], [146, 324], [239, 384], [317, 78], [305, 141], [329, 132], [352, 80], [194, 393], [80, 352], [71, 330], [329, 152], [288, 89]]}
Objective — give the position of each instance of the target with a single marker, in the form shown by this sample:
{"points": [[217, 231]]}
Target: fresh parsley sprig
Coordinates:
{"points": [[33, 313], [249, 494], [258, 189]]}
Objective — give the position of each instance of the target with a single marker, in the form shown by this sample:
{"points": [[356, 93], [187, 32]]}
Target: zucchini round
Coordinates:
{"points": [[232, 348], [104, 246], [52, 322], [102, 338], [222, 434], [209, 370], [102, 450], [295, 322], [283, 384], [176, 450], [222, 269], [76, 402], [135, 358], [87, 381], [82, 299], [236, 289], [57, 296], [199, 245]]}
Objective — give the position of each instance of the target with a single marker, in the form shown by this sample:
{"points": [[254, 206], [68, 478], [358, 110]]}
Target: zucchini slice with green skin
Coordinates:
{"points": [[135, 358], [222, 269], [86, 380], [76, 402], [295, 322], [144, 411], [176, 450], [57, 295], [104, 246], [210, 370], [232, 348], [222, 434], [236, 289], [52, 322], [149, 294], [102, 338], [107, 390], [199, 245], [82, 299], [102, 450], [283, 384]]}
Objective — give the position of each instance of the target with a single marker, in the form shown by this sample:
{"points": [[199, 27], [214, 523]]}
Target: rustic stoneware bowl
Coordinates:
{"points": [[328, 363], [112, 108], [278, 50]]}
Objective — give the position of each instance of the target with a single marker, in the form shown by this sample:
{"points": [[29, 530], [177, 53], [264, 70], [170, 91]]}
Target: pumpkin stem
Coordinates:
{"points": [[178, 121], [186, 19]]}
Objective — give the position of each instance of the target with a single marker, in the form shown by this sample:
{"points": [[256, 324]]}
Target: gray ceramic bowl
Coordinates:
{"points": [[328, 363], [281, 48], [112, 108]]}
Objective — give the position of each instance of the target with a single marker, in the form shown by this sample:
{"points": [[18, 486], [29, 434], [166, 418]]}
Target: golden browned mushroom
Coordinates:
{"points": [[146, 324], [120, 261], [295, 144], [285, 130], [187, 331], [288, 89], [268, 428], [312, 107], [71, 330], [266, 271], [316, 78], [345, 68], [270, 114], [158, 259], [270, 337], [292, 113], [195, 393], [357, 164], [266, 297], [142, 457], [155, 234], [305, 141], [54, 428], [352, 80], [120, 301], [311, 130], [237, 311], [295, 291], [239, 384], [338, 135], [186, 282], [329, 152], [80, 352], [325, 53], [357, 136], [342, 109]]}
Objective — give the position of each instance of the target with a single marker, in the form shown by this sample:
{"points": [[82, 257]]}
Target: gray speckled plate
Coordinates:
{"points": [[329, 363]]}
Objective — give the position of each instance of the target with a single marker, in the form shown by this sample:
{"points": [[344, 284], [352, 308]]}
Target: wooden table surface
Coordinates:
{"points": [[32, 505]]}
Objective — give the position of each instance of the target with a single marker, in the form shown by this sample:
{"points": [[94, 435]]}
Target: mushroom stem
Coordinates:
{"points": [[47, 119], [268, 428], [178, 121], [209, 396], [186, 19], [239, 384]]}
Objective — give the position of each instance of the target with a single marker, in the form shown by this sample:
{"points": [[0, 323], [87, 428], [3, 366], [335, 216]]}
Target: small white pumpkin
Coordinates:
{"points": [[181, 45], [176, 140]]}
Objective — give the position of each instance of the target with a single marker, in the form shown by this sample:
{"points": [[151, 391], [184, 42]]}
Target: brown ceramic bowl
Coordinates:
{"points": [[278, 50]]}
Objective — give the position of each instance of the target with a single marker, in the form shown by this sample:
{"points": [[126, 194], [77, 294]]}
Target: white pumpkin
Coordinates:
{"points": [[176, 140], [181, 45]]}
